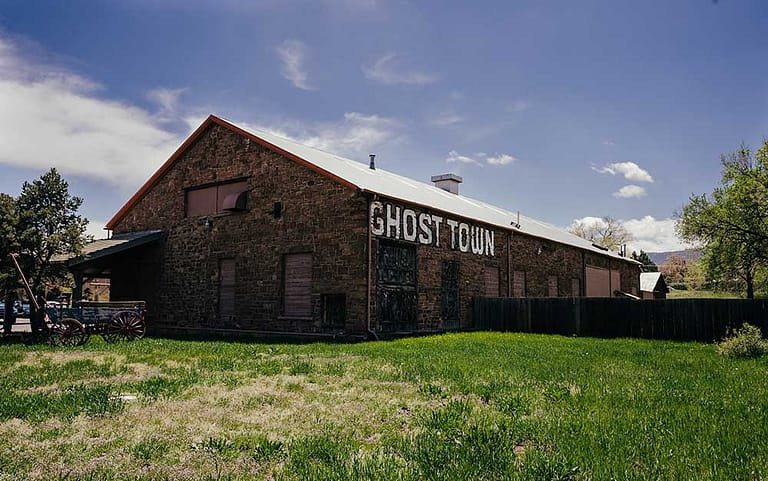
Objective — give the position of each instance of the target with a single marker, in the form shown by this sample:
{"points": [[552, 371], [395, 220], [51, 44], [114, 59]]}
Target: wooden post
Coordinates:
{"points": [[77, 292]]}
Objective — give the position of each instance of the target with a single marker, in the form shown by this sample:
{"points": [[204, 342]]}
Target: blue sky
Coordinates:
{"points": [[563, 110]]}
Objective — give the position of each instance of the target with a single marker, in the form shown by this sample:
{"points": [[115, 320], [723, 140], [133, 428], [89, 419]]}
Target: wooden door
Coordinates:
{"points": [[396, 287]]}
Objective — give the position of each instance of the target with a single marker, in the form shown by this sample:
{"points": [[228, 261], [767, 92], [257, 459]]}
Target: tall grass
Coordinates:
{"points": [[451, 407]]}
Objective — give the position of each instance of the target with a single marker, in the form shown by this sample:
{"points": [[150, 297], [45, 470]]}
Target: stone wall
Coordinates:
{"points": [[318, 216], [179, 276]]}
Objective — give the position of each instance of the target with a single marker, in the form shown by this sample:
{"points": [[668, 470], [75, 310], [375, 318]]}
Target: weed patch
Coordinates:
{"points": [[745, 342]]}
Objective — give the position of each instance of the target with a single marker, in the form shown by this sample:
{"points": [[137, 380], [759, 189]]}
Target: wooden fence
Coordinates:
{"points": [[705, 320]]}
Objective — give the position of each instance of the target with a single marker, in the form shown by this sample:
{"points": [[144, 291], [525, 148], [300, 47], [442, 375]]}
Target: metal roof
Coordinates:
{"points": [[649, 280], [118, 243], [384, 183], [394, 186]]}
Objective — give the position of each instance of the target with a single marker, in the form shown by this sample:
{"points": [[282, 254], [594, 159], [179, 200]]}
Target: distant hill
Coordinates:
{"points": [[688, 254]]}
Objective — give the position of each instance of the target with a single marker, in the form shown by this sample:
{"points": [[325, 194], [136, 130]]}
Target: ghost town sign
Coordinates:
{"points": [[395, 222]]}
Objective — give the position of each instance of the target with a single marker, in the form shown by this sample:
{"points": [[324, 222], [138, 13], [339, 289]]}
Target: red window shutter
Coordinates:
{"points": [[298, 285], [491, 281], [552, 286], [226, 189], [201, 202], [598, 282]]}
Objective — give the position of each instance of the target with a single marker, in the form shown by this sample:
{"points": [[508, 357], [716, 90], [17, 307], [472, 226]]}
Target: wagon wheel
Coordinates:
{"points": [[68, 332], [127, 325]]}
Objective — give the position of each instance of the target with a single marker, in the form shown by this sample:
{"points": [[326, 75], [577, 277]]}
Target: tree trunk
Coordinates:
{"points": [[750, 287]]}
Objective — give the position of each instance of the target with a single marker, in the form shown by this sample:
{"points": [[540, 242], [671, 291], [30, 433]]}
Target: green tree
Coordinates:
{"points": [[732, 223], [696, 277], [645, 259], [8, 244], [48, 228]]}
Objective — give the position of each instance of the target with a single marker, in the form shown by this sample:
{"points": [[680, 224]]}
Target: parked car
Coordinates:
{"points": [[21, 309]]}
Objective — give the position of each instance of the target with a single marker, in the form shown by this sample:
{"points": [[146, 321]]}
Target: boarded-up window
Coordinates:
{"points": [[334, 310], [552, 286], [615, 281], [210, 200], [518, 284], [297, 301], [598, 282], [226, 289], [491, 276], [201, 202], [575, 287]]}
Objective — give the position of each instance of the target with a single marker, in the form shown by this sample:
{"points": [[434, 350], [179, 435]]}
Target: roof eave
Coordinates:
{"points": [[212, 119]]}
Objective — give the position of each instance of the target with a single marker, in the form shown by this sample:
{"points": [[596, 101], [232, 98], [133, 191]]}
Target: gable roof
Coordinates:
{"points": [[359, 176], [649, 281]]}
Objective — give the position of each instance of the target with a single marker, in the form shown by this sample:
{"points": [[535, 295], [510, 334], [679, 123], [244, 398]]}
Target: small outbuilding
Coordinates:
{"points": [[653, 286]]}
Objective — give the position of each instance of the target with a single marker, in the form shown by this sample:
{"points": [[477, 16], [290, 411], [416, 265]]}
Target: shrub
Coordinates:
{"points": [[745, 342]]}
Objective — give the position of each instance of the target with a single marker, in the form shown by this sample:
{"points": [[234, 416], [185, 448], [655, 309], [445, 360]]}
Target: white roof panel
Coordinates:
{"points": [[395, 186], [648, 281]]}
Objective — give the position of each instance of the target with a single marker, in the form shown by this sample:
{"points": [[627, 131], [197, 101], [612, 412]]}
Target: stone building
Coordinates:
{"points": [[248, 231]]}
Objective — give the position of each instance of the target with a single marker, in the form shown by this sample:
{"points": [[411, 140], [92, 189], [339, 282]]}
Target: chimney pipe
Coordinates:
{"points": [[372, 165]]}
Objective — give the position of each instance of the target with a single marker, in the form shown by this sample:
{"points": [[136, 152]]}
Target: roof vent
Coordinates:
{"points": [[372, 165], [235, 202], [448, 182]]}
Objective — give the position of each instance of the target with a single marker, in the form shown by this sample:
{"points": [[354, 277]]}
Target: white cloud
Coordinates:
{"points": [[166, 99], [354, 136], [391, 69], [630, 171], [454, 156], [293, 55], [479, 158], [630, 192], [446, 118], [609, 143], [652, 235], [517, 106], [648, 233], [588, 222], [95, 228], [51, 117], [501, 159]]}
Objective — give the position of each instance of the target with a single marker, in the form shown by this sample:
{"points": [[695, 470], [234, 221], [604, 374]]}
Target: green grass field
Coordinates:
{"points": [[452, 407], [692, 294]]}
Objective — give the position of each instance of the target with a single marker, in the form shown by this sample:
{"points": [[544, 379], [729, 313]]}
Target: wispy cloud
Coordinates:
{"points": [[501, 159], [480, 158], [609, 143], [392, 69], [51, 117], [517, 106], [354, 136], [630, 192], [454, 156], [446, 118], [630, 171], [293, 55], [167, 100]]}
